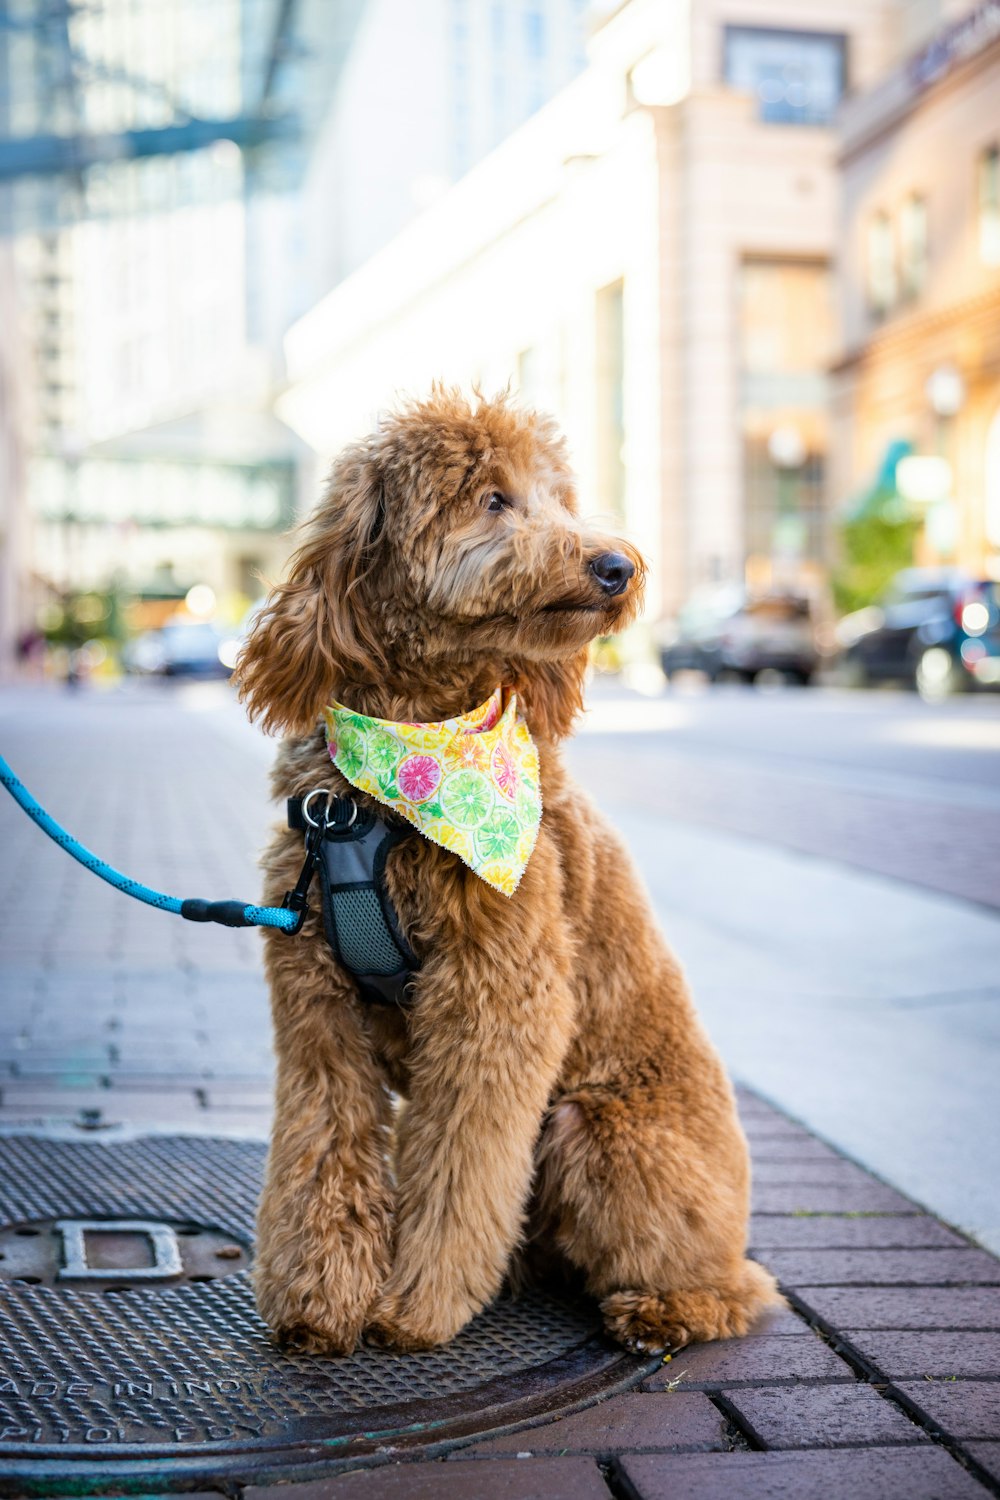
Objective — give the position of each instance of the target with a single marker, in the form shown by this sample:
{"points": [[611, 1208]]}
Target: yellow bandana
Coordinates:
{"points": [[469, 783]]}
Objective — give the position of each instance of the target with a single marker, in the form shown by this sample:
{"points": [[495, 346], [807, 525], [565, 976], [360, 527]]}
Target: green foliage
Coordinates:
{"points": [[874, 546], [80, 617]]}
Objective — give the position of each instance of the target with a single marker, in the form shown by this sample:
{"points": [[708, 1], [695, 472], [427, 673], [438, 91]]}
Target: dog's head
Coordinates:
{"points": [[447, 547]]}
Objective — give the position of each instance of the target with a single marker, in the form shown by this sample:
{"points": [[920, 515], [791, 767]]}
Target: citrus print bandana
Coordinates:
{"points": [[469, 783]]}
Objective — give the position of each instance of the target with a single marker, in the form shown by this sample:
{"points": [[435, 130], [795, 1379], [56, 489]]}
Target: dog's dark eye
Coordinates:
{"points": [[496, 501]]}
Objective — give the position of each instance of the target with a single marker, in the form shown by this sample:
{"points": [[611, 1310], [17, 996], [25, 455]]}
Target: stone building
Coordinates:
{"points": [[920, 288], [649, 256]]}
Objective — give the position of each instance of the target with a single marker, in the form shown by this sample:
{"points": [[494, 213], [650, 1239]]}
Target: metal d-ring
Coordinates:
{"points": [[321, 791]]}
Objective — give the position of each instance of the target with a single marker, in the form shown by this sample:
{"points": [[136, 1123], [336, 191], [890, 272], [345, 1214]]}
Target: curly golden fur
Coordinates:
{"points": [[559, 1089]]}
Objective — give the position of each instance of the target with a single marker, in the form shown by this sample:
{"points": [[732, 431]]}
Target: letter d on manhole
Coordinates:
{"points": [[160, 1237]]}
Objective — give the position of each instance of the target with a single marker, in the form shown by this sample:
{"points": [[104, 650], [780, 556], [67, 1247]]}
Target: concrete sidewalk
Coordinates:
{"points": [[882, 1381]]}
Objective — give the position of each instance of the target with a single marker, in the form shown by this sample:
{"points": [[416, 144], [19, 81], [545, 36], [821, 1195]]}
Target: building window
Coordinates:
{"points": [[788, 334], [797, 77], [913, 246], [989, 206], [881, 268]]}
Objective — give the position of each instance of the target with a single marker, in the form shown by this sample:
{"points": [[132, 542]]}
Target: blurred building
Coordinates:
{"points": [[650, 257], [920, 214], [427, 91], [149, 155], [15, 581]]}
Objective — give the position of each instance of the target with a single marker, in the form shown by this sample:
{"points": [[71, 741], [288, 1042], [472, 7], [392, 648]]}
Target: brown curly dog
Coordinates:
{"points": [[558, 1082]]}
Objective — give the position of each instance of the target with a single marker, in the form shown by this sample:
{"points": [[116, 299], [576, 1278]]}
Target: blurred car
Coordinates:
{"points": [[937, 629], [725, 633], [198, 649]]}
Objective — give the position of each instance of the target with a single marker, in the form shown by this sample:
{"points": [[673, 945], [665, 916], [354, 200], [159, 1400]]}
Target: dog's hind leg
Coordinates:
{"points": [[656, 1224], [324, 1223]]}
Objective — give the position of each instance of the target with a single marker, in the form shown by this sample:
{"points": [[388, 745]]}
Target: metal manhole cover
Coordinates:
{"points": [[141, 1362]]}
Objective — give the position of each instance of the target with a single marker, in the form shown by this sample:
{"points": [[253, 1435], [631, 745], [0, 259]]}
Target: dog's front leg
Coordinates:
{"points": [[324, 1222], [490, 1030]]}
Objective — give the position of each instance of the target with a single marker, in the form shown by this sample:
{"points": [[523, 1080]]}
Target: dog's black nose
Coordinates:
{"points": [[612, 571]]}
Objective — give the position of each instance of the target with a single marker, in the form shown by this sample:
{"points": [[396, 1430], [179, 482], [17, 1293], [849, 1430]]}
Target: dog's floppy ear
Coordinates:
{"points": [[551, 694], [314, 627]]}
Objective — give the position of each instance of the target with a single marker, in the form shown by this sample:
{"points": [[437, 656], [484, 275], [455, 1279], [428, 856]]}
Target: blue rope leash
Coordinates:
{"points": [[227, 913]]}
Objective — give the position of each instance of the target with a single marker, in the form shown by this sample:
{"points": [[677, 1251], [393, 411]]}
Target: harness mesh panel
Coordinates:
{"points": [[366, 944]]}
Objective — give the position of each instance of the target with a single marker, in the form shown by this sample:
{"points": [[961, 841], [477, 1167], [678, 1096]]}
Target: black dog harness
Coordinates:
{"points": [[347, 846]]}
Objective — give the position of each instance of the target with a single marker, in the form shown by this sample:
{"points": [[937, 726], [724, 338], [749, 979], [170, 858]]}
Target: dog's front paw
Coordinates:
{"points": [[404, 1323], [306, 1338], [305, 1318]]}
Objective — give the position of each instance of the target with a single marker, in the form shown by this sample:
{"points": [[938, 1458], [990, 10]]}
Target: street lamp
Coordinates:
{"points": [[923, 478], [786, 448], [945, 392]]}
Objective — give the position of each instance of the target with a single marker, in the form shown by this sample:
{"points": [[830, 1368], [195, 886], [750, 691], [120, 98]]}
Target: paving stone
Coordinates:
{"points": [[774, 1128], [837, 1231], [790, 1149], [499, 1479], [255, 1124], [961, 1408], [191, 1063], [987, 1454], [904, 1356], [752, 1106], [217, 1093], [751, 1361], [882, 1267], [831, 1198], [822, 1416], [18, 1087], [905, 1307], [166, 1083], [79, 1062], [778, 1322], [811, 1172], [624, 1424], [116, 1107], [868, 1474]]}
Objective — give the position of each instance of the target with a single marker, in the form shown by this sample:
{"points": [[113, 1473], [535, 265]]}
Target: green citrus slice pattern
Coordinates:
{"points": [[467, 798], [384, 750], [497, 838], [526, 806], [350, 755]]}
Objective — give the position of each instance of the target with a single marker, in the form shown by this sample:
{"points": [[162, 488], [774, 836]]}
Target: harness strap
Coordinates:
{"points": [[361, 923]]}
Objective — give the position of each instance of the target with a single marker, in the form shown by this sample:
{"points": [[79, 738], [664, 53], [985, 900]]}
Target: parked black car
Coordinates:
{"points": [[726, 634], [937, 629]]}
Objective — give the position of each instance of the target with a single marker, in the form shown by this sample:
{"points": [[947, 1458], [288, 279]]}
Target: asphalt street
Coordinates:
{"points": [[826, 864]]}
